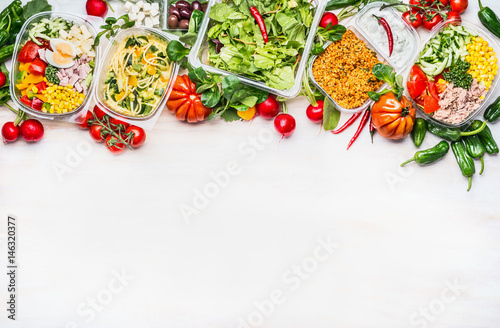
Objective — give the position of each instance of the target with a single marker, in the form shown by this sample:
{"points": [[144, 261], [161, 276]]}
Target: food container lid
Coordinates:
{"points": [[146, 122], [198, 54], [23, 37]]}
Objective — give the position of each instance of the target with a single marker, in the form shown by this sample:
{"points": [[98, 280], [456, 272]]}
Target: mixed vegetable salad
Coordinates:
{"points": [[262, 40], [55, 66], [453, 74], [138, 76]]}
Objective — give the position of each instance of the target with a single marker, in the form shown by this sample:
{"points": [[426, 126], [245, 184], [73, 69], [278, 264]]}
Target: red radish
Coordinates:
{"points": [[31, 130], [2, 79], [97, 7], [10, 132], [284, 124], [328, 18], [269, 108], [315, 113]]}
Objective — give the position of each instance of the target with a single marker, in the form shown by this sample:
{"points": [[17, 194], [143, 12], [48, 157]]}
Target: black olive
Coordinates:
{"points": [[184, 24], [183, 5], [172, 22], [185, 13], [196, 5], [204, 7], [174, 11]]}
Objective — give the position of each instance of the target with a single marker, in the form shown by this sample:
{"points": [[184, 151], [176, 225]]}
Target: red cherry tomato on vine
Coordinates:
{"points": [[95, 133], [453, 17], [139, 136], [85, 123], [114, 146], [429, 22], [459, 5], [98, 112], [117, 122], [413, 17]]}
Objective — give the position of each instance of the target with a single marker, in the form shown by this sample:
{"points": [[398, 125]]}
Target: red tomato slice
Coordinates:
{"points": [[416, 74], [430, 104], [25, 100], [37, 67], [432, 90], [415, 88], [29, 52]]}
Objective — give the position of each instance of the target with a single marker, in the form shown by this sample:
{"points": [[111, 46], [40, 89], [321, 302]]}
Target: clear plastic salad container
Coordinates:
{"points": [[148, 121], [487, 36], [199, 53], [366, 30], [23, 37]]}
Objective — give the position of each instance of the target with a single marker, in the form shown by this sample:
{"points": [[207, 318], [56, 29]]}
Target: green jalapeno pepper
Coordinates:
{"points": [[4, 36], [489, 19], [452, 134], [465, 162], [486, 137], [475, 148], [419, 131], [492, 113], [431, 155], [338, 4], [6, 52]]}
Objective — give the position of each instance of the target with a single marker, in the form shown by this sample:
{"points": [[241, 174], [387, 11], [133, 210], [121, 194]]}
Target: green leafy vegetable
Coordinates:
{"points": [[34, 7], [459, 76], [331, 116], [176, 51], [112, 27], [330, 33], [194, 26], [386, 73]]}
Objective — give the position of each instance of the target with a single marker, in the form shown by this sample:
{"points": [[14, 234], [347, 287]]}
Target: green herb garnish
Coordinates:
{"points": [[458, 75]]}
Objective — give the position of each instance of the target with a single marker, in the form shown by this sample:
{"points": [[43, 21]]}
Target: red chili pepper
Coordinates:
{"points": [[372, 130], [387, 28], [260, 21], [347, 124], [362, 124]]}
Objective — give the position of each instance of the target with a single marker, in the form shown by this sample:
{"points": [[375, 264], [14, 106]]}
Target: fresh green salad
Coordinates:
{"points": [[237, 44]]}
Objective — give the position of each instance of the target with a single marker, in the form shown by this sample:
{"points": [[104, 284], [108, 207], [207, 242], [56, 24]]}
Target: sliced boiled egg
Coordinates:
{"points": [[62, 54]]}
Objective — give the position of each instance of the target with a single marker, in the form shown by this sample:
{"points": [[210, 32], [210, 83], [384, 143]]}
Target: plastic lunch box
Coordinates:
{"points": [[146, 122], [382, 54], [492, 43], [198, 54], [22, 38]]}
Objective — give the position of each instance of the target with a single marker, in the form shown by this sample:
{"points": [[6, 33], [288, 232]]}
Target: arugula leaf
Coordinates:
{"points": [[331, 116], [34, 7]]}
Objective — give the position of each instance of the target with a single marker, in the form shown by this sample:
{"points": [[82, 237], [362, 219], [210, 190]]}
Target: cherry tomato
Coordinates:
{"points": [[416, 74], [453, 17], [444, 2], [85, 124], [114, 146], [139, 136], [459, 5], [327, 19], [2, 79], [413, 17], [430, 21], [99, 113], [117, 122], [423, 3], [96, 133]]}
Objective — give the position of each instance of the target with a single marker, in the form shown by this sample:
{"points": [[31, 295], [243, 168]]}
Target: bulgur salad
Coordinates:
{"points": [[344, 71]]}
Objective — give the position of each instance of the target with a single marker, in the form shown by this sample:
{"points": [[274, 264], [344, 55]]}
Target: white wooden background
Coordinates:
{"points": [[411, 247]]}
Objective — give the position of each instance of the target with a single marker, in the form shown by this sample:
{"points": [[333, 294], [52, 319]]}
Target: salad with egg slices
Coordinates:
{"points": [[56, 66]]}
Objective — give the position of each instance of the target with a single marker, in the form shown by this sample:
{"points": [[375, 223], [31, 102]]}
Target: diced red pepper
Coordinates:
{"points": [[430, 104], [29, 52], [41, 86], [25, 100], [37, 67], [37, 104], [415, 88]]}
